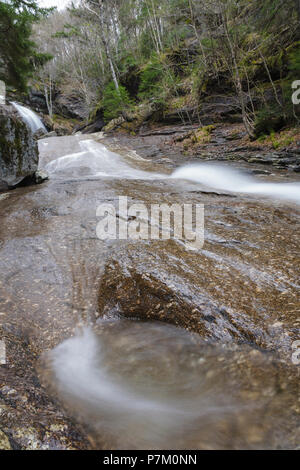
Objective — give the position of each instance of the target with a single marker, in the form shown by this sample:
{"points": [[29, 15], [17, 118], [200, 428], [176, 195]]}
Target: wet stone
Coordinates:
{"points": [[238, 296], [4, 442]]}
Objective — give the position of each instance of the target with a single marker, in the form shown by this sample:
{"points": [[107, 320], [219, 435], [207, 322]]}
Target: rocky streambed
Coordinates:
{"points": [[139, 343]]}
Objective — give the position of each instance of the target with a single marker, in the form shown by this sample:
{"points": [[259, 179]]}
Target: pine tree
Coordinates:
{"points": [[18, 54]]}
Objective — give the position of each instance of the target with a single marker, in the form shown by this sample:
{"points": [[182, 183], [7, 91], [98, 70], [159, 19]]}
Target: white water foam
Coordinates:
{"points": [[228, 179], [31, 118], [77, 364], [97, 160], [115, 392]]}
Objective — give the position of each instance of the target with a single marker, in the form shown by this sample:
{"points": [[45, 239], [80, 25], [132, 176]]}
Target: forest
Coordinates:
{"points": [[164, 57]]}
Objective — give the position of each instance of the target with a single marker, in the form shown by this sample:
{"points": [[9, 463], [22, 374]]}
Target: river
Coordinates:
{"points": [[148, 344]]}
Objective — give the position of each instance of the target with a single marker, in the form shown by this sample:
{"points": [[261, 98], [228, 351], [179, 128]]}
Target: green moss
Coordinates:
{"points": [[203, 135], [280, 139], [95, 111]]}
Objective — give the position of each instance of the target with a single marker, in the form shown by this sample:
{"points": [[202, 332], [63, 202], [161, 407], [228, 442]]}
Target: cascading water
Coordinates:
{"points": [[31, 118], [95, 159], [147, 385], [152, 385], [228, 179]]}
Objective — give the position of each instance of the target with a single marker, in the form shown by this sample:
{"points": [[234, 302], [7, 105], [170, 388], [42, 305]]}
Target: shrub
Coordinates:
{"points": [[269, 119], [159, 83], [151, 78], [272, 117], [115, 101]]}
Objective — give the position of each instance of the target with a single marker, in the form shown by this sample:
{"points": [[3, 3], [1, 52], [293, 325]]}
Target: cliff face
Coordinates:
{"points": [[19, 155]]}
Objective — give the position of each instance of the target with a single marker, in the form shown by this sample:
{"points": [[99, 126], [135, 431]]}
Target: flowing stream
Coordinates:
{"points": [[228, 179], [113, 315], [96, 160], [31, 118]]}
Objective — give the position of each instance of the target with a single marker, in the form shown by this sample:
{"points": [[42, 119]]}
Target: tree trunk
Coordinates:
{"points": [[106, 47], [236, 75], [48, 97], [102, 19]]}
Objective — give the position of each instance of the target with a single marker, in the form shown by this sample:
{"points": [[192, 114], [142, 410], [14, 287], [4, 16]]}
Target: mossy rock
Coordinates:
{"points": [[133, 121], [19, 155]]}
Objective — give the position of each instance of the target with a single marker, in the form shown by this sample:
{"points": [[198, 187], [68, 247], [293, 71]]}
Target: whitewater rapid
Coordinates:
{"points": [[221, 177], [94, 159]]}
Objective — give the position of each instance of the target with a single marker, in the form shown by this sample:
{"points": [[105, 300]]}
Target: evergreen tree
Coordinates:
{"points": [[175, 54], [18, 54]]}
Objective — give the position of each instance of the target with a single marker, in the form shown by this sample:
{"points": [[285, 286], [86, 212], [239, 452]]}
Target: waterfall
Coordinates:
{"points": [[95, 159], [31, 118]]}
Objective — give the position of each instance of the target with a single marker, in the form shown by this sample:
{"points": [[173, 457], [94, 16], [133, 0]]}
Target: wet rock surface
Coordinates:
{"points": [[30, 419], [170, 389], [224, 142], [39, 308], [212, 291], [40, 176], [239, 296]]}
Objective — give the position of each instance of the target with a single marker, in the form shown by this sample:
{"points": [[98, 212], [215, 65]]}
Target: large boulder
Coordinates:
{"points": [[212, 109], [94, 125], [70, 106], [36, 100], [19, 155]]}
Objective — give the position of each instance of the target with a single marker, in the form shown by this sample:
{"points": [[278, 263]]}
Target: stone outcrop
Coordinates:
{"points": [[95, 124], [60, 126], [67, 104], [19, 155], [70, 106]]}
